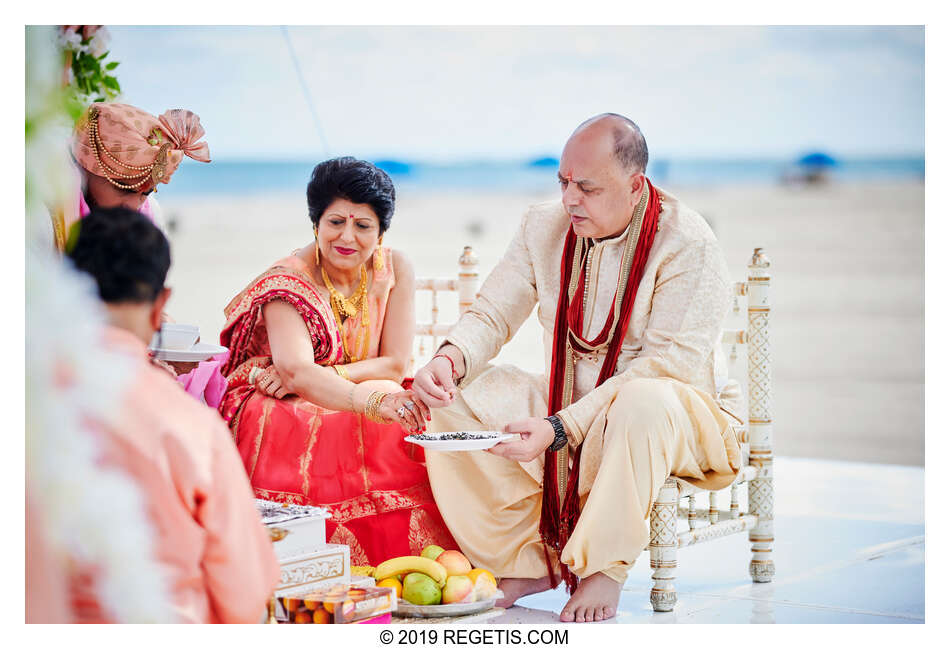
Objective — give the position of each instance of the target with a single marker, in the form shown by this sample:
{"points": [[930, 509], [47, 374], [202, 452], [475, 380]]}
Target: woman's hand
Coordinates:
{"points": [[406, 409], [267, 381]]}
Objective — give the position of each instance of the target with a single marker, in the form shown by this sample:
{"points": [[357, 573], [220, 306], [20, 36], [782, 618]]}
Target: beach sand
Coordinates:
{"points": [[847, 289]]}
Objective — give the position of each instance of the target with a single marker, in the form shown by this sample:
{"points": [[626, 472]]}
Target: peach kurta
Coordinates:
{"points": [[663, 412], [217, 555]]}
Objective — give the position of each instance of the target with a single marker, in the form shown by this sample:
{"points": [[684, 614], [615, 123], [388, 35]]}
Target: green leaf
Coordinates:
{"points": [[111, 82], [102, 56], [112, 66]]}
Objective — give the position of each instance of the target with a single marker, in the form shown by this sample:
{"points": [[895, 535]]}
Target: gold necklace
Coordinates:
{"points": [[342, 305], [347, 305]]}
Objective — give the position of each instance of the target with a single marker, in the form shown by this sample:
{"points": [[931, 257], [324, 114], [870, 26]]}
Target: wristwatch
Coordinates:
{"points": [[560, 437]]}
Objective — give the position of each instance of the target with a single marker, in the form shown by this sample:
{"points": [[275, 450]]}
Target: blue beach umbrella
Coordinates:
{"points": [[817, 159], [394, 167]]}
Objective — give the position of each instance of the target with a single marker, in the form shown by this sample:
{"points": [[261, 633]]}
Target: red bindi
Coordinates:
{"points": [[352, 217], [570, 176]]}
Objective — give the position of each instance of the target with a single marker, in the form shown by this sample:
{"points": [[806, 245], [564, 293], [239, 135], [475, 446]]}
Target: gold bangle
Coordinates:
{"points": [[342, 372], [372, 407]]}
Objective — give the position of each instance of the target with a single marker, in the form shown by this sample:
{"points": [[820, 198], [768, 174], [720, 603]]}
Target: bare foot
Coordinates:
{"points": [[594, 600], [515, 588]]}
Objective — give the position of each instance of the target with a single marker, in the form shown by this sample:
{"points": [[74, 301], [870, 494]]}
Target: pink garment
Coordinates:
{"points": [[206, 382], [208, 536], [47, 593]]}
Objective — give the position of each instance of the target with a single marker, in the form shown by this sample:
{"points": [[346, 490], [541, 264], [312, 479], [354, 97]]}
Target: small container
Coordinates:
{"points": [[337, 605], [176, 336]]}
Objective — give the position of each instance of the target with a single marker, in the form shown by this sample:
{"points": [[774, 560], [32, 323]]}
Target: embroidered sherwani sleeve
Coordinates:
{"points": [[690, 300], [503, 303]]}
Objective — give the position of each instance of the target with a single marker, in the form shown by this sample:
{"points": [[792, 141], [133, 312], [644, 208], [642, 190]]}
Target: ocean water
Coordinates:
{"points": [[247, 178]]}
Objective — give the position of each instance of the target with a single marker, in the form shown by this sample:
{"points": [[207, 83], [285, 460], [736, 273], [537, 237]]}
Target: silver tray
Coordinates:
{"points": [[406, 609]]}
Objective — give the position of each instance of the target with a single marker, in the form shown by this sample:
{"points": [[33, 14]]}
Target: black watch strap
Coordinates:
{"points": [[560, 436]]}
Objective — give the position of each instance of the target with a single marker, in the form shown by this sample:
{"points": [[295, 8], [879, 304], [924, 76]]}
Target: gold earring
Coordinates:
{"points": [[316, 247], [378, 256]]}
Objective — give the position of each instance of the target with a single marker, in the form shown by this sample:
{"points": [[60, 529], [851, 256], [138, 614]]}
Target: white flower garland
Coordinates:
{"points": [[89, 513]]}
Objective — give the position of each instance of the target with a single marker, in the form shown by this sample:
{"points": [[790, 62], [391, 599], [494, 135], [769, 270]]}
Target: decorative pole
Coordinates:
{"points": [[663, 545], [761, 491], [468, 278]]}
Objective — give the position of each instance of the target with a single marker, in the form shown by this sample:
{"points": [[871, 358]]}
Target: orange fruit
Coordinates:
{"points": [[391, 582], [321, 617], [348, 608], [475, 572], [302, 617], [291, 604], [483, 582]]}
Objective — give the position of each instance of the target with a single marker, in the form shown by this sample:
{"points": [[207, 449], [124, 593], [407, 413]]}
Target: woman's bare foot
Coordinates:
{"points": [[515, 588], [595, 599]]}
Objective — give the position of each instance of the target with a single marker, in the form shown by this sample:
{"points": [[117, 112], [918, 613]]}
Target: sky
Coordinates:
{"points": [[462, 93]]}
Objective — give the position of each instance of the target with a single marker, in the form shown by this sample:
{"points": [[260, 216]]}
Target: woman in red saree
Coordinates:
{"points": [[314, 399]]}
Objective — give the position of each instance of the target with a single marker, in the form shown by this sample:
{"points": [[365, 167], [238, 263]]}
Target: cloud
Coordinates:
{"points": [[456, 92]]}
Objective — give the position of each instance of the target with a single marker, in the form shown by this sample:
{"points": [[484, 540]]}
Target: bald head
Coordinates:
{"points": [[628, 144]]}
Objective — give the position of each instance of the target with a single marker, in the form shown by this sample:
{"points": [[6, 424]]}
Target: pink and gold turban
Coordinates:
{"points": [[135, 150]]}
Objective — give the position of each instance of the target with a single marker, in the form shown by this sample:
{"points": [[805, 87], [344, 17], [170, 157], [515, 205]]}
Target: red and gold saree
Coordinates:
{"points": [[373, 483]]}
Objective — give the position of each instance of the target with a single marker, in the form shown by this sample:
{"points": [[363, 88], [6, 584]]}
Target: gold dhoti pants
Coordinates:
{"points": [[653, 429]]}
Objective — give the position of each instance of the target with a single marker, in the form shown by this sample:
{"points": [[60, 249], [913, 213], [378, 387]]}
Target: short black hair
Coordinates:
{"points": [[124, 251], [357, 181]]}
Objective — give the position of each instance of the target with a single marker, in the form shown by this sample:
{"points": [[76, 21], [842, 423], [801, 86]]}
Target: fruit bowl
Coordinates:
{"points": [[407, 609]]}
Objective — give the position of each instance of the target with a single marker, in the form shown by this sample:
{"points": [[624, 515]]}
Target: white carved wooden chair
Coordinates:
{"points": [[465, 284], [755, 436], [756, 472]]}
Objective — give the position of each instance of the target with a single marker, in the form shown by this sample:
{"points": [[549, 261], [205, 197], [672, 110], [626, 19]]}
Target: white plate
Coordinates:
{"points": [[493, 437], [197, 352], [405, 609]]}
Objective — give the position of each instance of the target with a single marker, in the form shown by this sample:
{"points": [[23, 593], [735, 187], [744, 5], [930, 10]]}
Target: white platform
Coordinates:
{"points": [[849, 548]]}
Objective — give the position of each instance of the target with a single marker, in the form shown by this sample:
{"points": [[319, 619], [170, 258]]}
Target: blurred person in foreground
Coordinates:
{"points": [[632, 290], [320, 343], [217, 554], [122, 153]]}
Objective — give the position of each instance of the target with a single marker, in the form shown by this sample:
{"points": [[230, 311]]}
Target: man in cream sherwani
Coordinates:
{"points": [[661, 407]]}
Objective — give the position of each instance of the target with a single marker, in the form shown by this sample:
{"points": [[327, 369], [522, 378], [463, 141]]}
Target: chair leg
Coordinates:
{"points": [[663, 545], [761, 496], [761, 488]]}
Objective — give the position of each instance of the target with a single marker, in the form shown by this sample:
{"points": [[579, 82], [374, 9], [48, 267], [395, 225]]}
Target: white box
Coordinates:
{"points": [[306, 526], [303, 573]]}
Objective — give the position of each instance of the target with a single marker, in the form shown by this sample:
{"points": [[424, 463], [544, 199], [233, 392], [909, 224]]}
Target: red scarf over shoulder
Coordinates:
{"points": [[559, 519]]}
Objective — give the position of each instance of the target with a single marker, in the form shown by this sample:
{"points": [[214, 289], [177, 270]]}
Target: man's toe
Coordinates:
{"points": [[598, 614]]}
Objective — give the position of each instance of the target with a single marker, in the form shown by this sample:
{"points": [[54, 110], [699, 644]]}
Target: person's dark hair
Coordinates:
{"points": [[124, 251], [630, 147], [355, 180]]}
